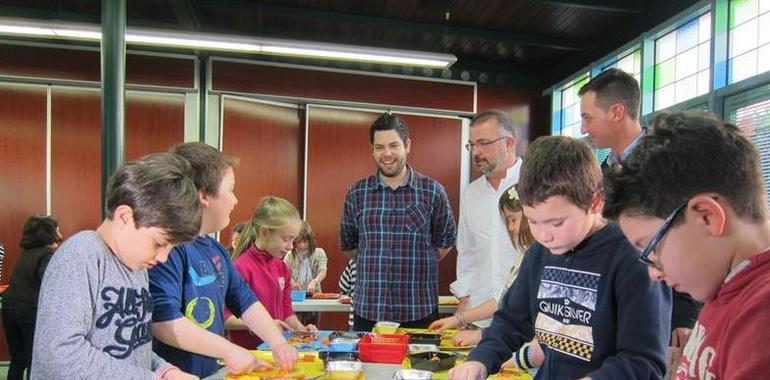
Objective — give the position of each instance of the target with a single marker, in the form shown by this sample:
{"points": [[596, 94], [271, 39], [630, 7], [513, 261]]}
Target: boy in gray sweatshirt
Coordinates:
{"points": [[95, 307]]}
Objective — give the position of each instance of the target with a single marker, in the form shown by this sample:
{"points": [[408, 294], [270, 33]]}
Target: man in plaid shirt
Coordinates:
{"points": [[397, 224]]}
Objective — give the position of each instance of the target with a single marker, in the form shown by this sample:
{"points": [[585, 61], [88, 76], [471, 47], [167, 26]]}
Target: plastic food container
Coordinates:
{"points": [[344, 370], [432, 361], [415, 348], [334, 356], [383, 348], [412, 374], [384, 327], [344, 341], [298, 295], [424, 338]]}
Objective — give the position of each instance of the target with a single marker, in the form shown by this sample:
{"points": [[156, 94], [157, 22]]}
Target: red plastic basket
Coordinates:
{"points": [[383, 348]]}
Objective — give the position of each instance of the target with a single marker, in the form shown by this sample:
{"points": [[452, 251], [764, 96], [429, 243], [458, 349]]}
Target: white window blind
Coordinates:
{"points": [[750, 111]]}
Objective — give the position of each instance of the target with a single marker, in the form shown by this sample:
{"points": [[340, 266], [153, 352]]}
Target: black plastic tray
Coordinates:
{"points": [[423, 361], [424, 338], [333, 356]]}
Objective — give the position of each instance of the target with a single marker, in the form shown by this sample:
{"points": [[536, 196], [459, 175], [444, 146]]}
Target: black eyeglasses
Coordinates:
{"points": [[483, 144], [645, 256]]}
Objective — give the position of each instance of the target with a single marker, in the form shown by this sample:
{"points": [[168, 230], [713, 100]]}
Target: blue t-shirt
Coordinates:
{"points": [[196, 283]]}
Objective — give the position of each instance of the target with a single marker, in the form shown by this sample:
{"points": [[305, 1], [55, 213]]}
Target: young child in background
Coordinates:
{"points": [[263, 244], [308, 267], [40, 237], [706, 233], [347, 285], [530, 356], [235, 234], [191, 290], [580, 289], [95, 308]]}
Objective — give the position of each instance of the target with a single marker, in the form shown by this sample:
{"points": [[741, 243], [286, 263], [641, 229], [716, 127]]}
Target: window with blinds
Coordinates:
{"points": [[750, 111]]}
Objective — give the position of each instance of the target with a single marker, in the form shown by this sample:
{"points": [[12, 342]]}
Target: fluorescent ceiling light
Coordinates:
{"points": [[139, 36]]}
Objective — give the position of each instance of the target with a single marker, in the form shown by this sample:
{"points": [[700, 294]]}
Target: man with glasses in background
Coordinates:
{"points": [[485, 253], [704, 177]]}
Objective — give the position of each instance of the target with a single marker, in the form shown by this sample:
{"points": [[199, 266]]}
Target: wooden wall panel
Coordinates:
{"points": [[85, 65], [76, 159], [23, 168], [268, 139], [22, 164], [339, 154], [314, 84], [154, 123]]}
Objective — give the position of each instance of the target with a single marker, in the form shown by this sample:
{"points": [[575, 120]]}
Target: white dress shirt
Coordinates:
{"points": [[485, 252]]}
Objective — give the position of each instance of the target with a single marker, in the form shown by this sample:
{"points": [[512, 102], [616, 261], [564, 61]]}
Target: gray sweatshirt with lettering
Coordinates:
{"points": [[94, 316]]}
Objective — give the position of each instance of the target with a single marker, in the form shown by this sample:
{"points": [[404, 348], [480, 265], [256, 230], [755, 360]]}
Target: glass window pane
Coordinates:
{"points": [[686, 88], [664, 73], [744, 66], [686, 63], [743, 38], [638, 61], [687, 36], [665, 47], [567, 97], [704, 26], [764, 6], [763, 59], [664, 97], [764, 28], [704, 56], [703, 82], [742, 10]]}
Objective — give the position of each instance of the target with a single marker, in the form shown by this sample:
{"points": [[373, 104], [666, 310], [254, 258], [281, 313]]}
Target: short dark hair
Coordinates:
{"points": [[503, 121], [39, 231], [559, 165], [686, 154], [209, 165], [159, 190], [388, 122], [615, 86]]}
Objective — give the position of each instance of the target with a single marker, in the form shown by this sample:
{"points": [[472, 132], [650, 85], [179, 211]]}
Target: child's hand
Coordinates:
{"points": [[467, 337], [285, 356], [240, 361], [471, 370], [177, 374], [283, 326], [311, 327], [294, 285], [444, 324]]}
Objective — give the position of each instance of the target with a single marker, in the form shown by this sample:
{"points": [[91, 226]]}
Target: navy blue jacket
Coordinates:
{"points": [[594, 310]]}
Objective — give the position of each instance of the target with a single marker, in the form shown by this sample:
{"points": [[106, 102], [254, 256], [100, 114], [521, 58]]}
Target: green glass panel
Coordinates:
{"points": [[742, 10], [664, 73]]}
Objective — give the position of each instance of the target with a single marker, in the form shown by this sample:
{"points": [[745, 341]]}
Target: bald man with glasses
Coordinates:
{"points": [[485, 253]]}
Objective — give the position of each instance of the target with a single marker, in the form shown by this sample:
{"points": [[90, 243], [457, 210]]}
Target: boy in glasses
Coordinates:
{"points": [[581, 290], [691, 195]]}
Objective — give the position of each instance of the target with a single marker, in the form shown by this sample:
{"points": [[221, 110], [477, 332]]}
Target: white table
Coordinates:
{"points": [[334, 306]]}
